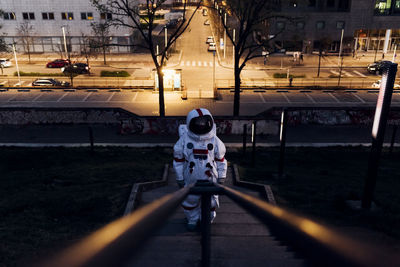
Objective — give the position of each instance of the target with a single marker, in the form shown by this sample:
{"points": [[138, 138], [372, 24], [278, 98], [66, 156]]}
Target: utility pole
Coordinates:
{"points": [[16, 64], [340, 48], [224, 34], [340, 71], [69, 56], [233, 48]]}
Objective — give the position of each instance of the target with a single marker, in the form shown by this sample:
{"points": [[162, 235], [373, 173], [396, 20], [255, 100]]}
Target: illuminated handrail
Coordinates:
{"points": [[115, 243]]}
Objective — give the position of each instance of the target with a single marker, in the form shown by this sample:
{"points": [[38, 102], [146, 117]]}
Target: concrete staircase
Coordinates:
{"points": [[237, 238]]}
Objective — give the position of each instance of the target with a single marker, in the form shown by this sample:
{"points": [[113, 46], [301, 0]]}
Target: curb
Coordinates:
{"points": [[138, 188], [265, 190]]}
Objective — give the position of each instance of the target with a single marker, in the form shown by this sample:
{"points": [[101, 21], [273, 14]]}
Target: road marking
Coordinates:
{"points": [[359, 98], [3, 83], [309, 97], [187, 63], [346, 73], [58, 100], [285, 96], [334, 97], [182, 63], [359, 73], [334, 72], [193, 63], [19, 83], [205, 63], [262, 97], [211, 64], [9, 100], [86, 97], [109, 98], [199, 63], [134, 97], [37, 97]]}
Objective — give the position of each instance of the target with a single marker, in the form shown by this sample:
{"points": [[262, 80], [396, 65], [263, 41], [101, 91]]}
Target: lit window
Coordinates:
{"points": [[382, 7], [320, 25], [67, 16], [86, 16], [48, 16], [293, 3], [9, 16], [28, 16]]}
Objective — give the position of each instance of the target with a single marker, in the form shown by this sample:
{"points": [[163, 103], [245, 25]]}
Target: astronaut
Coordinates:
{"points": [[199, 155]]}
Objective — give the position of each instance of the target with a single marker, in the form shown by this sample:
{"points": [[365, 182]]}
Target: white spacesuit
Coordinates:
{"points": [[199, 155]]}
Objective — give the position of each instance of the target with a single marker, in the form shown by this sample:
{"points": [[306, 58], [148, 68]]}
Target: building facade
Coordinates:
{"points": [[47, 21], [367, 25]]}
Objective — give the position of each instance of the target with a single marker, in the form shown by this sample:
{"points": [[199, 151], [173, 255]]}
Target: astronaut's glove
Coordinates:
{"points": [[181, 183], [221, 180]]}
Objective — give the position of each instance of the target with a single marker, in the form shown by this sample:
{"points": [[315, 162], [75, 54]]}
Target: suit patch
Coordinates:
{"points": [[189, 145], [210, 146]]}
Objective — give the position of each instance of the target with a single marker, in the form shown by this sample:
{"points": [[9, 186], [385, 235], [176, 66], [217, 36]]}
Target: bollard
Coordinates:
{"points": [[282, 138], [244, 139], [253, 140], [91, 139], [393, 139]]}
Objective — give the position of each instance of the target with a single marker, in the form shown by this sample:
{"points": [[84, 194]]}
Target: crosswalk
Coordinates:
{"points": [[349, 74], [193, 63]]}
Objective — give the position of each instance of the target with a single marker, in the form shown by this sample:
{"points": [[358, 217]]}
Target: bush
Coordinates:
{"points": [[106, 73], [284, 75]]}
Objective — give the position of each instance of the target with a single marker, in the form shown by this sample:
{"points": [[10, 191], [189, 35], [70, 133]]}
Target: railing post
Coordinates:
{"points": [[244, 138], [282, 139], [205, 229], [91, 139], [253, 140]]}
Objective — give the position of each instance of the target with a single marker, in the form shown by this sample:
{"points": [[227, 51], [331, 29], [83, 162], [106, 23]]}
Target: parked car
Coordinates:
{"points": [[205, 12], [58, 63], [377, 84], [377, 67], [49, 82], [210, 39], [77, 68], [206, 22], [212, 47], [5, 62]]}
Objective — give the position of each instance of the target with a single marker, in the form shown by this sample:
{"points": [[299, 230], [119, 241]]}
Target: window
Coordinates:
{"points": [[86, 16], [320, 25], [330, 3], [344, 5], [108, 16], [300, 25], [67, 16], [339, 24], [28, 16], [280, 25], [382, 7], [9, 16], [48, 16], [312, 3]]}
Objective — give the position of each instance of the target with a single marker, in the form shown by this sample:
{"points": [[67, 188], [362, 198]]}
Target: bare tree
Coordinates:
{"points": [[126, 13], [88, 48], [101, 31], [250, 20], [26, 32], [3, 46]]}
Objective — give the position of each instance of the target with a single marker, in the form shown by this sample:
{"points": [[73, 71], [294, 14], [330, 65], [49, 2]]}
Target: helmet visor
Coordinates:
{"points": [[201, 125]]}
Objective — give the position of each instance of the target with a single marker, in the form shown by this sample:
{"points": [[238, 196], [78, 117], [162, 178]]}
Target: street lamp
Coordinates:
{"points": [[16, 64], [65, 42], [225, 35]]}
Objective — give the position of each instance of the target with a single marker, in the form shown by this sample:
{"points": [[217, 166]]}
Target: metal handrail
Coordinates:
{"points": [[318, 243], [115, 243]]}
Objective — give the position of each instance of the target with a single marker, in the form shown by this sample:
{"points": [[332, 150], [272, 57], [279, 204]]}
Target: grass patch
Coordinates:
{"points": [[106, 73], [284, 75], [320, 180], [51, 197]]}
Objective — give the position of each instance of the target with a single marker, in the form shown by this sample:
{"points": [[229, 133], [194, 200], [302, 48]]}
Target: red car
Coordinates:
{"points": [[58, 63]]}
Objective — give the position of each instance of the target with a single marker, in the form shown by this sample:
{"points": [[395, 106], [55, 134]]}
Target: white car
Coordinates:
{"points": [[5, 63], [210, 39], [206, 22], [377, 84], [212, 47]]}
